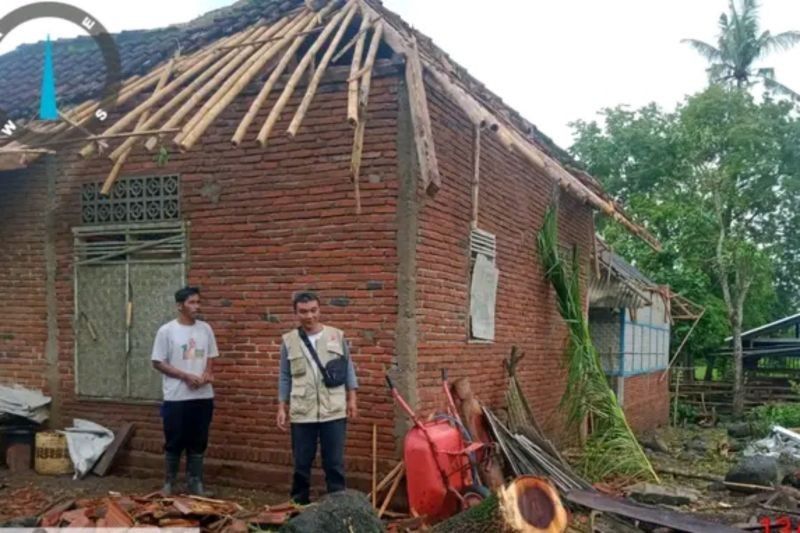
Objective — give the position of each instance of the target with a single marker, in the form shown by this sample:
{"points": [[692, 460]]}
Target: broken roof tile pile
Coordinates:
{"points": [[156, 510]]}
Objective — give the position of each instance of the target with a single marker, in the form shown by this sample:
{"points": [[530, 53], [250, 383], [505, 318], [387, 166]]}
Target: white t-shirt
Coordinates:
{"points": [[187, 348], [313, 340]]}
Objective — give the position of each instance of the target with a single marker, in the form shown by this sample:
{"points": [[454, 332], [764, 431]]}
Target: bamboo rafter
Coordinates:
{"points": [[305, 42]]}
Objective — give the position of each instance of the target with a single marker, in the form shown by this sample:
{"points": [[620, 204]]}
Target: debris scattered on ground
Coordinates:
{"points": [[780, 441], [662, 494], [122, 511], [21, 502]]}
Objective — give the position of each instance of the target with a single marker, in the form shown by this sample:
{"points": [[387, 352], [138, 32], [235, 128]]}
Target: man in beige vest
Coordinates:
{"points": [[318, 413]]}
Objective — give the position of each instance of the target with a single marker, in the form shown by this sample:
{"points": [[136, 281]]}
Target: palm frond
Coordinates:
{"points": [[709, 52], [778, 88], [776, 43], [611, 448]]}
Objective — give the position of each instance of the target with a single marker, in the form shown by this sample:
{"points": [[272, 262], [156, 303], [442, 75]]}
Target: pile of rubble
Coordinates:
{"points": [[118, 510]]}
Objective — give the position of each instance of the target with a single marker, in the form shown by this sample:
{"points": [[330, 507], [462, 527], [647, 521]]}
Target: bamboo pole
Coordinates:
{"points": [[362, 30], [389, 478], [363, 101], [244, 57], [263, 94], [476, 175], [231, 89], [189, 96], [421, 122], [238, 57], [283, 99], [219, 69], [374, 464], [355, 161], [366, 80], [303, 33], [302, 109], [201, 62], [117, 168], [392, 490], [355, 66]]}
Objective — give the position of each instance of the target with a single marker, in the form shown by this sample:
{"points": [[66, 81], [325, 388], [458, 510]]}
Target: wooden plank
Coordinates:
{"points": [[421, 121], [121, 438], [644, 513]]}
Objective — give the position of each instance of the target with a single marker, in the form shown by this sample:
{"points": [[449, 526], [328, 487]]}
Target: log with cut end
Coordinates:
{"points": [[527, 504]]}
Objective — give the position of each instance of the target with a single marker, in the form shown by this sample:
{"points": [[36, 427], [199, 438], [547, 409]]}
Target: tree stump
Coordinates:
{"points": [[527, 504]]}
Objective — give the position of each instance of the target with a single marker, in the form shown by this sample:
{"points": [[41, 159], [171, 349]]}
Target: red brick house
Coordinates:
{"points": [[85, 279]]}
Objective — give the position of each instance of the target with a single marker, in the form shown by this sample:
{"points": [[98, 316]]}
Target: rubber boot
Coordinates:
{"points": [[171, 463], [194, 475]]}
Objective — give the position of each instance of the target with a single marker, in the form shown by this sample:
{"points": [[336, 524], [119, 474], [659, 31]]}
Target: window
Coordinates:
{"points": [[483, 284], [129, 258]]}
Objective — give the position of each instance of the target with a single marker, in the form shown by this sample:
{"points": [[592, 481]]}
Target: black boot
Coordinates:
{"points": [[171, 463], [194, 475]]}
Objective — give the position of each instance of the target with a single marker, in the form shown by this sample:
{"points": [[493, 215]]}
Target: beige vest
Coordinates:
{"points": [[311, 400]]}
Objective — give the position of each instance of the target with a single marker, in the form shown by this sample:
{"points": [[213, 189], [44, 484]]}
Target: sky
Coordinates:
{"points": [[553, 61]]}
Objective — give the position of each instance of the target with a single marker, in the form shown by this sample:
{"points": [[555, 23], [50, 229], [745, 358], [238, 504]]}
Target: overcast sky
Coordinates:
{"points": [[553, 61]]}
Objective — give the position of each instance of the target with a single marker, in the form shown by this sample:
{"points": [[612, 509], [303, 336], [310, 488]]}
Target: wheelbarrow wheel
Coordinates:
{"points": [[473, 495]]}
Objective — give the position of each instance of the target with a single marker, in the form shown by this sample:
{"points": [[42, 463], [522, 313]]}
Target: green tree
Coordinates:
{"points": [[714, 180], [740, 45]]}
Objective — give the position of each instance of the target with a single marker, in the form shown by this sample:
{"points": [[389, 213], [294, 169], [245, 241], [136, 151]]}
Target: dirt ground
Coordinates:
{"points": [[694, 450], [28, 494]]}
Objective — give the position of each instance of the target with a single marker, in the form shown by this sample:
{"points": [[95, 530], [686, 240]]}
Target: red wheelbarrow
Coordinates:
{"points": [[439, 458]]}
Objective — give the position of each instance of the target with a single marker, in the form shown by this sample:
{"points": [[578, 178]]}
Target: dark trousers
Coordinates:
{"points": [[331, 437], [186, 425]]}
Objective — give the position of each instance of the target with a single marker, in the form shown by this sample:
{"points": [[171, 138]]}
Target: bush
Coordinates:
{"points": [[782, 414]]}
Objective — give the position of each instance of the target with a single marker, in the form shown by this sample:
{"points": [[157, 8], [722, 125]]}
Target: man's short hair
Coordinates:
{"points": [[304, 297], [181, 295]]}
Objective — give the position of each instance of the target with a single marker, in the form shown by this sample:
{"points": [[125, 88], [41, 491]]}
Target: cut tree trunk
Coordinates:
{"points": [[527, 504]]}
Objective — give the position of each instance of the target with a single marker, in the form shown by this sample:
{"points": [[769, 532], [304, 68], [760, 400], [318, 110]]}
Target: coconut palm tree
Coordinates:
{"points": [[740, 46]]}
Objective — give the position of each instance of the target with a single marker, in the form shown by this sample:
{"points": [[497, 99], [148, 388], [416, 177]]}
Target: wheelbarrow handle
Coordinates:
{"points": [[389, 382]]}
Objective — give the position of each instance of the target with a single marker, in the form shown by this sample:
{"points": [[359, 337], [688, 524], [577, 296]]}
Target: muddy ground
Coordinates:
{"points": [[704, 451]]}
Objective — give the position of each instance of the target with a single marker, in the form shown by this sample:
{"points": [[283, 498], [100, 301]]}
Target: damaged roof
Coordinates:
{"points": [[145, 53], [142, 50]]}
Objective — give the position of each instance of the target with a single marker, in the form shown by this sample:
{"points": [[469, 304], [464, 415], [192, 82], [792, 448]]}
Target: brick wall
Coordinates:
{"points": [[263, 224], [23, 313], [646, 401], [512, 201]]}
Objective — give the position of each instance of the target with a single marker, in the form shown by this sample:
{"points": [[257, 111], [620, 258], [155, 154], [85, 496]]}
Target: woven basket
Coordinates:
{"points": [[52, 454]]}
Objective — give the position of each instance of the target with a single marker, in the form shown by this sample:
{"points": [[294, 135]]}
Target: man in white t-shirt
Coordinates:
{"points": [[183, 351]]}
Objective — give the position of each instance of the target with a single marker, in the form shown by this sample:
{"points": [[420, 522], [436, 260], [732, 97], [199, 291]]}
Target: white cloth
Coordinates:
{"points": [[86, 442], [186, 348]]}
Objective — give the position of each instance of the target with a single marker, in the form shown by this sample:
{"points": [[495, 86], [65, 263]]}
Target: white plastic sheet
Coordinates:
{"points": [[86, 442], [30, 404], [780, 441]]}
